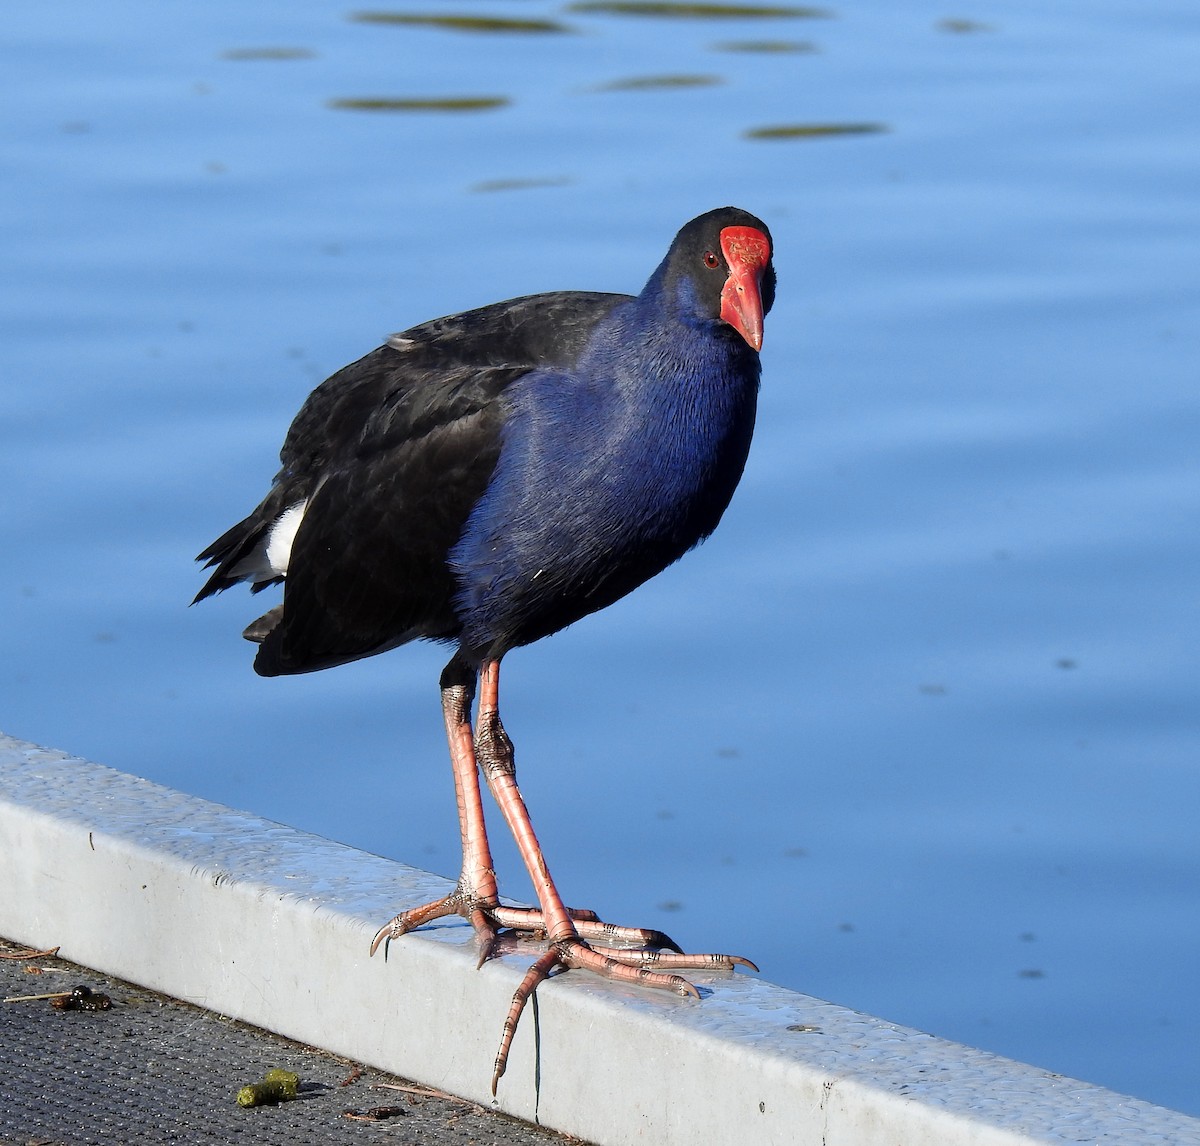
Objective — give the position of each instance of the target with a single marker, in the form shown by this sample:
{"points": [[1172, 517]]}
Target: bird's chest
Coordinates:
{"points": [[606, 471], [593, 494]]}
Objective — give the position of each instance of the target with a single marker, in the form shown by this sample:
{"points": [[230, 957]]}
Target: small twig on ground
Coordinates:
{"points": [[48, 954], [415, 1088]]}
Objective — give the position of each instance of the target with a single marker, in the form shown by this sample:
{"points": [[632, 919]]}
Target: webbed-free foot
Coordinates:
{"points": [[489, 918], [623, 965]]}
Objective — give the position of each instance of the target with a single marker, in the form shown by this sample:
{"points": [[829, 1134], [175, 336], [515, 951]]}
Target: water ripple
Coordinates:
{"points": [[658, 83], [813, 130], [685, 10], [268, 54], [437, 103], [768, 47], [462, 23]]}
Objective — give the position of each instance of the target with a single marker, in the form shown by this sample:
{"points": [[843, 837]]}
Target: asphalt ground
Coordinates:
{"points": [[150, 1070]]}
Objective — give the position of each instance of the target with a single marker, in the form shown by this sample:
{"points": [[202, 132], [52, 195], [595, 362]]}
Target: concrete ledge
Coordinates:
{"points": [[267, 924]]}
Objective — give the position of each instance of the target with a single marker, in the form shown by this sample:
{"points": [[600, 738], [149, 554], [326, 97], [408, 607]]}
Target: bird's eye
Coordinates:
{"points": [[711, 261]]}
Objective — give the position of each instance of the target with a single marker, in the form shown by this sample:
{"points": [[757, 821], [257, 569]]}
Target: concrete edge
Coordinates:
{"points": [[267, 924]]}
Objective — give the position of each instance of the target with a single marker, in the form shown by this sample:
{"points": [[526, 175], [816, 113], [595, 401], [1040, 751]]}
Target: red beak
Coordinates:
{"points": [[747, 251]]}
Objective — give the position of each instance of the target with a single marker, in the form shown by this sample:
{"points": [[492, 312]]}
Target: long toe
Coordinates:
{"points": [[634, 966], [680, 960], [458, 902], [613, 935], [531, 921]]}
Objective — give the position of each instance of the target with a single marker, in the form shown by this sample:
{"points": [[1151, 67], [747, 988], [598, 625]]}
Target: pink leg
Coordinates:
{"points": [[476, 896], [568, 949]]}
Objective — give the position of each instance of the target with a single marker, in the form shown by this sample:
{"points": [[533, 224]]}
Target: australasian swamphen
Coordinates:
{"points": [[488, 478]]}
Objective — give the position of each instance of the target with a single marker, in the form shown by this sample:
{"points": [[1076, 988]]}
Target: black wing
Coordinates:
{"points": [[388, 457]]}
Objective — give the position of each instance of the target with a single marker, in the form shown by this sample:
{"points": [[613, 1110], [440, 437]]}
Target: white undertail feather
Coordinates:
{"points": [[282, 537], [271, 556]]}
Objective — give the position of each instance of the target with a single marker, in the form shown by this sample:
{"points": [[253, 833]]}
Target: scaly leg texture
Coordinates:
{"points": [[476, 898], [568, 949]]}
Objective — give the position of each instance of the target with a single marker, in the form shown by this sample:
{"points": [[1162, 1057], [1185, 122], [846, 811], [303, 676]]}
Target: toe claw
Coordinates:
{"points": [[393, 929]]}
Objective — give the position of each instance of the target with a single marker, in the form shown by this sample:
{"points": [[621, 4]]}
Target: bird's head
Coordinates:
{"points": [[722, 260]]}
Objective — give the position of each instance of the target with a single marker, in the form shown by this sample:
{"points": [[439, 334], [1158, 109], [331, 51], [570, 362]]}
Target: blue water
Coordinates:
{"points": [[918, 729]]}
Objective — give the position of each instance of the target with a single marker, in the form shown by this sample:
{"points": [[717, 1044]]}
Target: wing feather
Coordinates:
{"points": [[387, 457]]}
